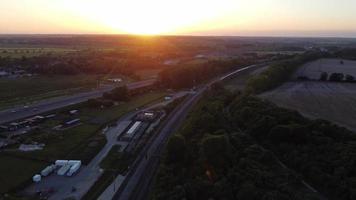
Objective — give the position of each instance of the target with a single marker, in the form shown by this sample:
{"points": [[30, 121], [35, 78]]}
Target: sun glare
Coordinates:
{"points": [[150, 17]]}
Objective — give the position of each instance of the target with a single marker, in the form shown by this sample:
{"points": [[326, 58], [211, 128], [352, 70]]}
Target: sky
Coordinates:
{"points": [[327, 18]]}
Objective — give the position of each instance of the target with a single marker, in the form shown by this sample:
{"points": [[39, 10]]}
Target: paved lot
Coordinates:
{"points": [[87, 175]]}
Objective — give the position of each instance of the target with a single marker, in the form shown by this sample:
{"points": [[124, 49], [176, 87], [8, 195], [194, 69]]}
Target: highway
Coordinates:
{"points": [[20, 111], [139, 179]]}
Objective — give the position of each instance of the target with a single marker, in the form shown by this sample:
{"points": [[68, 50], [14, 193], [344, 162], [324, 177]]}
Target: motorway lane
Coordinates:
{"points": [[52, 104], [139, 177]]}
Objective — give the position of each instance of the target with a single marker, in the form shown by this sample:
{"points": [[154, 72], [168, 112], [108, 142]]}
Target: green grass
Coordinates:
{"points": [[116, 160], [100, 185], [16, 172]]}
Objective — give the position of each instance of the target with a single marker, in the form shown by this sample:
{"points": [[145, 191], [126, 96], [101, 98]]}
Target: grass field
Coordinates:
{"points": [[16, 171], [148, 73], [25, 90], [326, 100]]}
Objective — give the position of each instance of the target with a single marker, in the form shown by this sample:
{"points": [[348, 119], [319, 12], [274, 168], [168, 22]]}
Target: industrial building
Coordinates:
{"points": [[128, 135]]}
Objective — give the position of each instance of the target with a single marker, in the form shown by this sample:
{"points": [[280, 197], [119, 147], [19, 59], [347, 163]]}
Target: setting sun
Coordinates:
{"points": [[177, 17], [148, 17]]}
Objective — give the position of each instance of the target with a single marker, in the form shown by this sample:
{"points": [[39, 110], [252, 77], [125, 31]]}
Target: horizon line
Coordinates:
{"points": [[175, 35]]}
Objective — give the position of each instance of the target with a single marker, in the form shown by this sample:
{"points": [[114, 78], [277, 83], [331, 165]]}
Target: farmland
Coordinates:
{"points": [[25, 90], [33, 51], [326, 100], [313, 69]]}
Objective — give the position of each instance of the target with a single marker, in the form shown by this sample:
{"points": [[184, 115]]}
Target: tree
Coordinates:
{"points": [[216, 150], [336, 77], [324, 76], [279, 133], [349, 78], [117, 94], [176, 149]]}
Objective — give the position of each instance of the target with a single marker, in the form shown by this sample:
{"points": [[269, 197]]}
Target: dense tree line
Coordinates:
{"points": [[84, 62], [230, 148], [346, 53], [212, 159], [190, 75], [279, 72], [319, 150]]}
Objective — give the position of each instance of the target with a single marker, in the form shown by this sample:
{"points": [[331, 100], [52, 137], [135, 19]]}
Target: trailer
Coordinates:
{"points": [[61, 162], [36, 178], [73, 162], [63, 170], [74, 168], [48, 170]]}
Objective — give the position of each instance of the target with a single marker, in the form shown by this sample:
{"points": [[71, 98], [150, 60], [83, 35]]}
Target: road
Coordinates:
{"points": [[20, 112], [139, 178]]}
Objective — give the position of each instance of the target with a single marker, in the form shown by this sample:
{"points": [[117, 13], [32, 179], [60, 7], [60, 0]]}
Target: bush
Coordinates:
{"points": [[336, 77]]}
